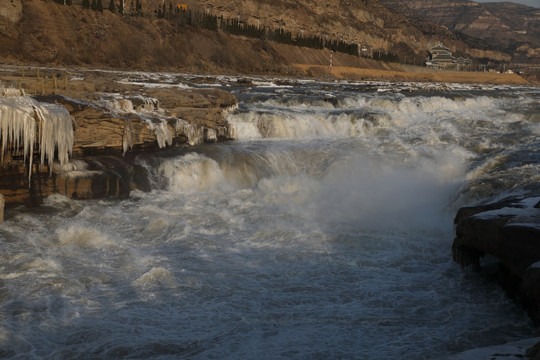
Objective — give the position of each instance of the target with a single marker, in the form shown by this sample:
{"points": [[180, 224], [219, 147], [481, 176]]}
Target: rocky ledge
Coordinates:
{"points": [[508, 231], [105, 132]]}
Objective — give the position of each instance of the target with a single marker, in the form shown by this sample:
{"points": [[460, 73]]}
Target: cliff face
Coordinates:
{"points": [[507, 27]]}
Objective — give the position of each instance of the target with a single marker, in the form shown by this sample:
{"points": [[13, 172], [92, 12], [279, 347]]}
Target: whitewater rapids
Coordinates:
{"points": [[324, 232]]}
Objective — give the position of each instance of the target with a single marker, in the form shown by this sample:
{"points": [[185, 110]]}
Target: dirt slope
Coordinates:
{"points": [[54, 34], [51, 34]]}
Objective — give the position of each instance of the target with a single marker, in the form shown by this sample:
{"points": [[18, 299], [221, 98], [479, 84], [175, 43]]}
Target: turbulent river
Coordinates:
{"points": [[324, 232]]}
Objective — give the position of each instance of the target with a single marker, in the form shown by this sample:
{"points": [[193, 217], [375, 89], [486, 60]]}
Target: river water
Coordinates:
{"points": [[324, 232]]}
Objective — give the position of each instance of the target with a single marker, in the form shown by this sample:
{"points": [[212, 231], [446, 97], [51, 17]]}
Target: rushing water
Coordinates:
{"points": [[324, 232]]}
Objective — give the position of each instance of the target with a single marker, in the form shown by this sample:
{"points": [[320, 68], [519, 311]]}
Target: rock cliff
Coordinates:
{"points": [[109, 129]]}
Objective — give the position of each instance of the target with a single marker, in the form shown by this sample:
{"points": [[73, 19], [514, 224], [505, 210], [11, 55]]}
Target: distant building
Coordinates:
{"points": [[440, 57]]}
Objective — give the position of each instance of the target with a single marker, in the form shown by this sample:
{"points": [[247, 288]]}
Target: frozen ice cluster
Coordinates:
{"points": [[27, 125]]}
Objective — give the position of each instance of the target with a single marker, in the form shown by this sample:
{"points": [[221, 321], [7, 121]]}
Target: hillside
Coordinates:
{"points": [[44, 32], [507, 27], [367, 22]]}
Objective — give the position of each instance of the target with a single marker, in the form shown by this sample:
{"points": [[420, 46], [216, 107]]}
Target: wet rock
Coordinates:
{"points": [[508, 230], [91, 178]]}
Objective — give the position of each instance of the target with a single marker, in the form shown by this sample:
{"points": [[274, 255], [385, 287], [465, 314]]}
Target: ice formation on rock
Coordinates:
{"points": [[17, 125], [127, 140], [210, 135], [193, 134], [56, 132], [132, 104], [12, 92], [148, 110], [25, 122], [163, 134], [121, 105]]}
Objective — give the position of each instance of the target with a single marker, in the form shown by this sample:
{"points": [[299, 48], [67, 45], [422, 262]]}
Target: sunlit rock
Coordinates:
{"points": [[88, 145]]}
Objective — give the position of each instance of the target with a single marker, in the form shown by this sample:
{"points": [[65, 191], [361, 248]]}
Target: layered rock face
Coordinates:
{"points": [[93, 156], [507, 230]]}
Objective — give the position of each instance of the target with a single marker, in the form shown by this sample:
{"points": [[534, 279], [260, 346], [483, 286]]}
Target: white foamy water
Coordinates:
{"points": [[325, 232]]}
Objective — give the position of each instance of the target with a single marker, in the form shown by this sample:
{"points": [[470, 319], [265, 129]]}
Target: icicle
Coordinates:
{"points": [[193, 134], [127, 141], [2, 204], [12, 92], [232, 132], [17, 124], [210, 135], [163, 133], [18, 116], [56, 133]]}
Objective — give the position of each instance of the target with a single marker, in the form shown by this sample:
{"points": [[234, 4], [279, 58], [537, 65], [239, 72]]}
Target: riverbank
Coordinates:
{"points": [[411, 74], [37, 80]]}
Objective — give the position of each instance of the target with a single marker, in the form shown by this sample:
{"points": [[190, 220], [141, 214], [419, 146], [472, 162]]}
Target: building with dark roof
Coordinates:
{"points": [[440, 57]]}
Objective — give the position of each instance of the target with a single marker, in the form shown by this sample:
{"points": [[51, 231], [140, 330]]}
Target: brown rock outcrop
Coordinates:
{"points": [[107, 139], [11, 10]]}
